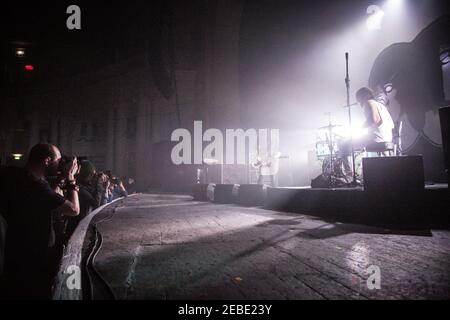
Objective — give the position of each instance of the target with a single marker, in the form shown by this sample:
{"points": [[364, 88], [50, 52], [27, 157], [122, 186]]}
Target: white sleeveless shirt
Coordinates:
{"points": [[384, 132]]}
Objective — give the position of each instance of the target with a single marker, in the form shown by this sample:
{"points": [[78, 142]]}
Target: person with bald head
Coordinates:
{"points": [[28, 203]]}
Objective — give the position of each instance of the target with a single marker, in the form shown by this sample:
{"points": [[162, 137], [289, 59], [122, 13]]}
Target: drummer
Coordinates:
{"points": [[378, 122]]}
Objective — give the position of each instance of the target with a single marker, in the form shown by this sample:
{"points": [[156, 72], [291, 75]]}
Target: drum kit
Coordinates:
{"points": [[327, 150], [330, 138]]}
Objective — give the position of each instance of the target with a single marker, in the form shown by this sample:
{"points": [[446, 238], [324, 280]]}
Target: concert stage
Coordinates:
{"points": [[427, 208]]}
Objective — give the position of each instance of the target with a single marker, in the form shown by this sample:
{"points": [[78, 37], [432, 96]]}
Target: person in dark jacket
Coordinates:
{"points": [[90, 194], [27, 204]]}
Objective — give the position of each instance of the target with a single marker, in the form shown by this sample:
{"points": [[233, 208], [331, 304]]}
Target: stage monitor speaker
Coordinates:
{"points": [[200, 192], [445, 127], [251, 195], [224, 193], [394, 175]]}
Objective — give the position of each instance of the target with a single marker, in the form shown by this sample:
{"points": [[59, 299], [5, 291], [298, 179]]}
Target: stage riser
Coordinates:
{"points": [[353, 205], [251, 195], [361, 206], [225, 193], [445, 127], [311, 200]]}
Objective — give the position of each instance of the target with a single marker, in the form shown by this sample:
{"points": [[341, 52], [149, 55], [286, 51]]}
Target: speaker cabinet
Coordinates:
{"points": [[394, 175], [444, 114], [200, 192], [251, 195], [225, 193]]}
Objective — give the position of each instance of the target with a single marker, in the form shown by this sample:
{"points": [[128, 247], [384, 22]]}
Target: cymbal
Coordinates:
{"points": [[331, 126]]}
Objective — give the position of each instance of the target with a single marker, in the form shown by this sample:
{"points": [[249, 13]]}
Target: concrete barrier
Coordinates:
{"points": [[71, 261]]}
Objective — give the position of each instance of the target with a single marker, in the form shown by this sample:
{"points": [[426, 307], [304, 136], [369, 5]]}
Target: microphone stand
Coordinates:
{"points": [[347, 84]]}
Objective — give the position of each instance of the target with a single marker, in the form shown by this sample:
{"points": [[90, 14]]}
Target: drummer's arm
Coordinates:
{"points": [[373, 119]]}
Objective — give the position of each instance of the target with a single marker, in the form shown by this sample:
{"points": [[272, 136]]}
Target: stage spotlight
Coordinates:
{"points": [[388, 88], [445, 57], [357, 131], [393, 5], [375, 18]]}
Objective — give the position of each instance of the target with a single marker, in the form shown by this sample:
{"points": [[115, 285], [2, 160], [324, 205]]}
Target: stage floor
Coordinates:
{"points": [[169, 247]]}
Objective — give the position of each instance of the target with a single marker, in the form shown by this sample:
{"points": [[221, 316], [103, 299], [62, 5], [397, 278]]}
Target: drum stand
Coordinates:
{"points": [[331, 148]]}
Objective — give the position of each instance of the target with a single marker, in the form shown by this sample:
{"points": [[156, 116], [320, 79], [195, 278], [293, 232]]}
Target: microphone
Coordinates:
{"points": [[347, 78]]}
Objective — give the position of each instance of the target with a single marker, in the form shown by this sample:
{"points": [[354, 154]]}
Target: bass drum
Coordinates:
{"points": [[334, 169]]}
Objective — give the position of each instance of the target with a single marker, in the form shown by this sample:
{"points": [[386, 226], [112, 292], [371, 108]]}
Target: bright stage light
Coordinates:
{"points": [[375, 18], [357, 131], [445, 57], [393, 5], [388, 88]]}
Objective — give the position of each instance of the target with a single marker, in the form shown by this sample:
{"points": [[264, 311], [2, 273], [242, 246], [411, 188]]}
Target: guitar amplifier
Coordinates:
{"points": [[394, 174]]}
